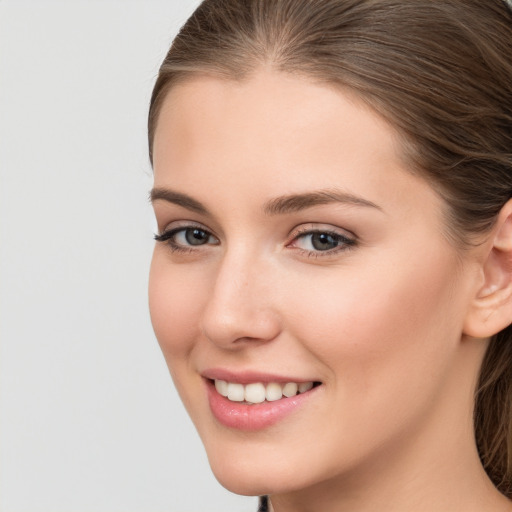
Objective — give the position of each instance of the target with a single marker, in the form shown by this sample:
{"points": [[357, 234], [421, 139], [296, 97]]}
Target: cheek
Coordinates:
{"points": [[174, 304], [376, 327], [175, 301]]}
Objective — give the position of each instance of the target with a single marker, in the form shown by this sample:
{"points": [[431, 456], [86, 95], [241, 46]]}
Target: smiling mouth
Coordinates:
{"points": [[258, 392]]}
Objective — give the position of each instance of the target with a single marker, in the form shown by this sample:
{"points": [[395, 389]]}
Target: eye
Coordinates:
{"points": [[315, 241], [322, 241], [192, 236], [185, 238]]}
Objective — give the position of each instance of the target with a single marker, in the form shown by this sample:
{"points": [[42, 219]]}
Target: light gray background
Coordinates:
{"points": [[89, 420]]}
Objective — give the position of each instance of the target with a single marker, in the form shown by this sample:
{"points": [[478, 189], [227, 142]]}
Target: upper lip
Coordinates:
{"points": [[249, 376]]}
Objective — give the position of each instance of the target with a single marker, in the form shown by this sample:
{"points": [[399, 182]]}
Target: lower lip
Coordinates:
{"points": [[253, 417]]}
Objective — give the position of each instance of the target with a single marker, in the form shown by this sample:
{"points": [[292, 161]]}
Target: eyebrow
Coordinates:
{"points": [[278, 206], [184, 200], [297, 202]]}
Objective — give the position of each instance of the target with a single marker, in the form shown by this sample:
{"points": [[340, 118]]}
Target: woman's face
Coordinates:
{"points": [[296, 248]]}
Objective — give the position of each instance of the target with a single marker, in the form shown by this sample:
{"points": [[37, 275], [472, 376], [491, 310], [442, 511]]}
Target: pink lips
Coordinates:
{"points": [[242, 416]]}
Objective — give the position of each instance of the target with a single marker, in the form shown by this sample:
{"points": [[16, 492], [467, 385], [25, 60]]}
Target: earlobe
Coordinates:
{"points": [[491, 309]]}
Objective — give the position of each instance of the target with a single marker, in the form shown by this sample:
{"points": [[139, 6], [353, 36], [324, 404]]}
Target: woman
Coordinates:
{"points": [[332, 280]]}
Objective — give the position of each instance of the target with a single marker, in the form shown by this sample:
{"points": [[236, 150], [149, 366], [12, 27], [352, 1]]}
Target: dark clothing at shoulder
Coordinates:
{"points": [[263, 504]]}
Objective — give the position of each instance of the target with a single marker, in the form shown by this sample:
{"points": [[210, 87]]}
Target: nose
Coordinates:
{"points": [[240, 308]]}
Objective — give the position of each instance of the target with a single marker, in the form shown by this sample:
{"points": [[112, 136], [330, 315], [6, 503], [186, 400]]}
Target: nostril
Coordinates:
{"points": [[240, 327]]}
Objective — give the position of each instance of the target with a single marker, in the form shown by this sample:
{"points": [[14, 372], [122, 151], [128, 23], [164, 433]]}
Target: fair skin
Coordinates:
{"points": [[356, 289]]}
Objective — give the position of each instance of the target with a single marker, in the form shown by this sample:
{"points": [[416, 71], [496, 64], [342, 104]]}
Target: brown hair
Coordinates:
{"points": [[440, 71]]}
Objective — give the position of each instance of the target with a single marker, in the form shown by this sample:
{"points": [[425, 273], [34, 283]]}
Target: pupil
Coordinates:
{"points": [[196, 236], [323, 241]]}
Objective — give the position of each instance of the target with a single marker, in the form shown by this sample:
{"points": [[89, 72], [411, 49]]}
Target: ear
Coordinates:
{"points": [[491, 309]]}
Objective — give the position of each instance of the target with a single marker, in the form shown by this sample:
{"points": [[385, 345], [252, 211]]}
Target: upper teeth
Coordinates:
{"points": [[258, 392]]}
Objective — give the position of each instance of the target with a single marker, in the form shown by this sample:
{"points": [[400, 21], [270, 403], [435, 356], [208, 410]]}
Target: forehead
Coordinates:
{"points": [[268, 99], [277, 134], [229, 114]]}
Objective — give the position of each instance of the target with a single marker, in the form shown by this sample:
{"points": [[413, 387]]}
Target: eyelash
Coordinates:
{"points": [[168, 237], [344, 243]]}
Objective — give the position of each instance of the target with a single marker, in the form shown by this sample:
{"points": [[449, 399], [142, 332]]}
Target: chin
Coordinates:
{"points": [[249, 479], [258, 471], [243, 484]]}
